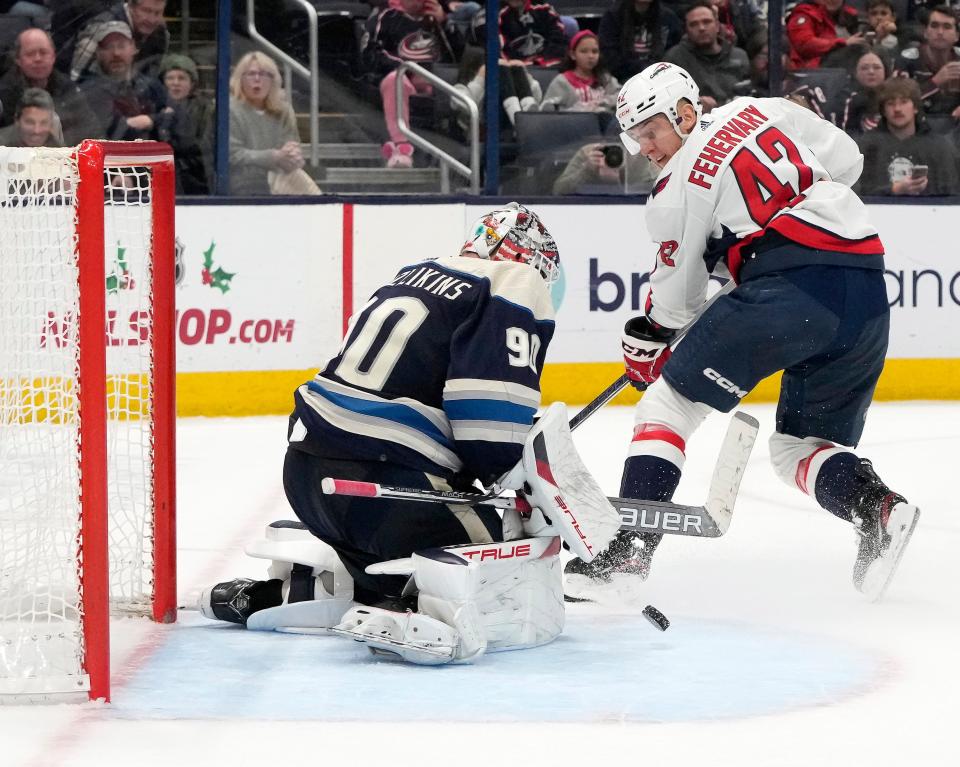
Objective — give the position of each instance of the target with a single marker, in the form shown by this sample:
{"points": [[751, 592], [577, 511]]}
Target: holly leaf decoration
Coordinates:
{"points": [[215, 277]]}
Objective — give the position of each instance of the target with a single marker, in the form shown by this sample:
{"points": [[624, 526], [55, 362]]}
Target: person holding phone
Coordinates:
{"points": [[902, 156]]}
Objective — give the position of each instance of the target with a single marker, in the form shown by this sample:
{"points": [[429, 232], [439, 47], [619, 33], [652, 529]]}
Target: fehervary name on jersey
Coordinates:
{"points": [[432, 281], [731, 133]]}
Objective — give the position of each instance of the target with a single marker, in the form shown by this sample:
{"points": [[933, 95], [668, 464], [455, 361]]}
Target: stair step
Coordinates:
{"points": [[382, 177], [345, 151]]}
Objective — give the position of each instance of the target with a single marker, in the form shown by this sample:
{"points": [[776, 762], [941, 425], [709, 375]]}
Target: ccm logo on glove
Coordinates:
{"points": [[645, 350]]}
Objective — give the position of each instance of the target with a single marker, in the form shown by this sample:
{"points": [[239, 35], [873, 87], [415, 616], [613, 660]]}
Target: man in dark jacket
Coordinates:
{"points": [[902, 156], [935, 64], [130, 106], [716, 66], [33, 57], [33, 121], [635, 34], [150, 37], [532, 32]]}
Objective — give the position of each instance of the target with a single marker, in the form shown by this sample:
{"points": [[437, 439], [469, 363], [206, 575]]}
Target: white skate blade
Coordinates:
{"points": [[903, 520]]}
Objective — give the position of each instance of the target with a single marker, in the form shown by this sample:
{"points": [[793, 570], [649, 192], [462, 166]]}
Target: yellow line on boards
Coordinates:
{"points": [[576, 383]]}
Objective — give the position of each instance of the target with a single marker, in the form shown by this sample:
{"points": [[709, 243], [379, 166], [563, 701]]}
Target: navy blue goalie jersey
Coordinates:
{"points": [[439, 371]]}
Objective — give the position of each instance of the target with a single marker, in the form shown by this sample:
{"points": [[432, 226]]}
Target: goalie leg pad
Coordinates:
{"points": [[491, 597], [564, 489]]}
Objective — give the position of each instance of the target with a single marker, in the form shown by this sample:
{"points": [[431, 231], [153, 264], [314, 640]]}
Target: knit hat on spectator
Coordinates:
{"points": [[181, 62], [899, 87], [575, 40], [110, 28]]}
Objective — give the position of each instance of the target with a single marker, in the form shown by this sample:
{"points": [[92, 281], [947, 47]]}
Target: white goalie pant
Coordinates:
{"points": [[472, 599], [317, 589]]}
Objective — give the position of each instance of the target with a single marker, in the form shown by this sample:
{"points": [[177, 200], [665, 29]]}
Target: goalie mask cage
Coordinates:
{"points": [[86, 409]]}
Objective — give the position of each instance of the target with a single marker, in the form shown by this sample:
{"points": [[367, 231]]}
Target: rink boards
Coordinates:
{"points": [[264, 292]]}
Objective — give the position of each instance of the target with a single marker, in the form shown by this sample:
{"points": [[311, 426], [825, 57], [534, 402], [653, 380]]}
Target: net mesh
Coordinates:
{"points": [[41, 641]]}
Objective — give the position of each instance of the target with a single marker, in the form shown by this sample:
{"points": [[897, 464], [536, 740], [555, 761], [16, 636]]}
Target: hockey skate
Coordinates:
{"points": [[629, 552], [235, 601], [884, 522]]}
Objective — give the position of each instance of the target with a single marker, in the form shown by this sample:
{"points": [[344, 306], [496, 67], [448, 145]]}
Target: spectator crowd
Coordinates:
{"points": [[885, 71]]}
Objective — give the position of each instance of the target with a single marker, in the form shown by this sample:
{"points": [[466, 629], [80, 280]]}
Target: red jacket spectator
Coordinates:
{"points": [[812, 30]]}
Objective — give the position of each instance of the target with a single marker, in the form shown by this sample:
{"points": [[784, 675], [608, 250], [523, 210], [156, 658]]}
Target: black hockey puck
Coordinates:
{"points": [[656, 617]]}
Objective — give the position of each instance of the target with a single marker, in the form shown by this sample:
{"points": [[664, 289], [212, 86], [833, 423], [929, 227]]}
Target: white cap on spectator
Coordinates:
{"points": [[110, 28]]}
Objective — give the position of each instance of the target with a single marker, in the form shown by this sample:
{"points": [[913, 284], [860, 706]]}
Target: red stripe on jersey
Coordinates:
{"points": [[650, 431], [812, 236], [803, 468]]}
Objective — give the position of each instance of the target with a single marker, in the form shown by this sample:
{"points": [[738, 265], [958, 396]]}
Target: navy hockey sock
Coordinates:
{"points": [[838, 485], [649, 478]]}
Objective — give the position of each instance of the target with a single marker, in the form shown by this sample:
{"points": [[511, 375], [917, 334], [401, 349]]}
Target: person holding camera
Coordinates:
{"points": [[902, 156], [881, 28], [606, 169]]}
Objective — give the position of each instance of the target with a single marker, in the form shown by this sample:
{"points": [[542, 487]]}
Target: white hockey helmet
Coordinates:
{"points": [[515, 233], [655, 91]]}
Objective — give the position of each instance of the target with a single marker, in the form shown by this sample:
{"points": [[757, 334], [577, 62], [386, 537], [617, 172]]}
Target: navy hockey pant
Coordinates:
{"points": [[825, 327], [368, 530]]}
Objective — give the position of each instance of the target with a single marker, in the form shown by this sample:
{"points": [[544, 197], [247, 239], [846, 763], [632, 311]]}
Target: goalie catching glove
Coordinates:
{"points": [[646, 350]]}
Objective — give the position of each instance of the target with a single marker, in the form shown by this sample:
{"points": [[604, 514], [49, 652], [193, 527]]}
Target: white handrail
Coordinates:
{"points": [[447, 161], [311, 75]]}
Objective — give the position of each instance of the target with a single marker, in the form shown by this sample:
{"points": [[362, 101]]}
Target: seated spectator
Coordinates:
{"points": [[739, 20], [35, 11], [583, 85], [415, 33], [519, 91], [882, 19], [265, 152], [129, 106], [33, 123], [716, 66], [861, 110], [150, 36], [821, 30], [195, 125], [33, 60], [636, 33], [531, 33], [902, 156], [606, 169], [935, 64]]}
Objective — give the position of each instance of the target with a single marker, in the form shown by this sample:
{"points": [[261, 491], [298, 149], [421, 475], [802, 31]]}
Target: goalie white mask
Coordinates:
{"points": [[515, 233], [655, 91]]}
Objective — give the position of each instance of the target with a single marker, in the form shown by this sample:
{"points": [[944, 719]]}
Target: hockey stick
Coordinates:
{"points": [[708, 521], [617, 386]]}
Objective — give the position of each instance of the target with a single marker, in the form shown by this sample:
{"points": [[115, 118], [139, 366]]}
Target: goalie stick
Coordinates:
{"points": [[711, 520]]}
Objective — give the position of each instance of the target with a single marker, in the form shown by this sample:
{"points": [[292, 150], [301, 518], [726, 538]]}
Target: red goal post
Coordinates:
{"points": [[87, 408]]}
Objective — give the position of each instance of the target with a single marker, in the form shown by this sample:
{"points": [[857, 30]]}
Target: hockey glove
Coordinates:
{"points": [[645, 350]]}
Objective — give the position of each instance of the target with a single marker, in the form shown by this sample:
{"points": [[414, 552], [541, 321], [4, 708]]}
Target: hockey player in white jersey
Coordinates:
{"points": [[435, 386], [759, 191]]}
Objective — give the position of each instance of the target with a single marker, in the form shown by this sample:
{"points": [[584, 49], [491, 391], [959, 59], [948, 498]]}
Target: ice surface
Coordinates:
{"points": [[772, 658]]}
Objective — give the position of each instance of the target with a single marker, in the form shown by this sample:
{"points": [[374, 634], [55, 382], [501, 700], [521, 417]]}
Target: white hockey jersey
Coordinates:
{"points": [[751, 168]]}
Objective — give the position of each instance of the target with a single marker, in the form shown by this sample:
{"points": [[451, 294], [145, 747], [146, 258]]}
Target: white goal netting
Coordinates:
{"points": [[41, 481]]}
